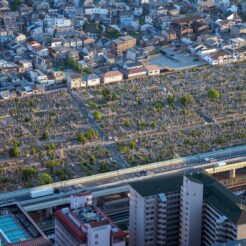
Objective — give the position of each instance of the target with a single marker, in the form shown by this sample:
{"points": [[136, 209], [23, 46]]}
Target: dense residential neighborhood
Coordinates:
{"points": [[46, 45]]}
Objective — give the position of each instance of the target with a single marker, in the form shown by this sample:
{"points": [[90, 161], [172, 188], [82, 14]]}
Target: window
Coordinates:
{"points": [[96, 236]]}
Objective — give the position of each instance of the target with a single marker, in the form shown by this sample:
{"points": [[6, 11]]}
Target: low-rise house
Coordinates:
{"points": [[73, 54], [112, 76], [223, 25], [41, 63], [5, 35], [59, 76], [38, 76], [27, 64], [136, 73], [128, 21], [123, 43], [236, 30], [59, 53], [219, 58], [70, 9], [20, 37], [37, 48], [91, 79], [19, 48], [152, 70], [169, 35], [8, 67], [25, 9], [75, 81], [240, 54]]}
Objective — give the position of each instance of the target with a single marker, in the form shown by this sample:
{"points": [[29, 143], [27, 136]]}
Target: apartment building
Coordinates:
{"points": [[154, 211], [210, 212], [190, 210], [123, 43], [85, 225]]}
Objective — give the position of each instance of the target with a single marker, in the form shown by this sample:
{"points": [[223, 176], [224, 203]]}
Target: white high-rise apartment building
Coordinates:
{"points": [[190, 210], [152, 209]]}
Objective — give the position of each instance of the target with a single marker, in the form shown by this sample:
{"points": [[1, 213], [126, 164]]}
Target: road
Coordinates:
{"points": [[101, 182]]}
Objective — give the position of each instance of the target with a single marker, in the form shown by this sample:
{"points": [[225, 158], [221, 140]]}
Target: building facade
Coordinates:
{"points": [[121, 44], [190, 210], [85, 225]]}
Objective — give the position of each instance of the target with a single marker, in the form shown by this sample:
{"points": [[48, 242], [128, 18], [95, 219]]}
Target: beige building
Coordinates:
{"points": [[152, 69], [75, 81], [121, 44], [112, 76]]}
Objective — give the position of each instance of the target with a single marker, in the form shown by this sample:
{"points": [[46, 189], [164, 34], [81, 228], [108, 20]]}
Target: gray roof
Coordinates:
{"points": [[214, 193], [157, 185], [220, 198], [90, 77]]}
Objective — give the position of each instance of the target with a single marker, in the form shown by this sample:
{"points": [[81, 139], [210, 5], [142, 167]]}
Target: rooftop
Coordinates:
{"points": [[17, 228], [221, 198], [77, 221], [154, 186], [215, 194]]}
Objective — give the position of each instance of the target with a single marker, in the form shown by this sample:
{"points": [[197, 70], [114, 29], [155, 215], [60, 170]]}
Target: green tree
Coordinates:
{"points": [[33, 151], [123, 149], [51, 146], [81, 137], [44, 178], [133, 144], [97, 115], [187, 99], [170, 99], [127, 122], [111, 33], [91, 134], [106, 93], [27, 173], [213, 94], [60, 174], [14, 152], [45, 135], [51, 164]]}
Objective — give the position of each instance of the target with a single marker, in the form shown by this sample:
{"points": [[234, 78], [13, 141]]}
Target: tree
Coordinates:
{"points": [[45, 178], [45, 135], [51, 164], [14, 152], [51, 146], [81, 137], [91, 134], [97, 115], [111, 33], [170, 99], [133, 144], [187, 99], [27, 173], [106, 93], [213, 94], [127, 122], [34, 151], [60, 174]]}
